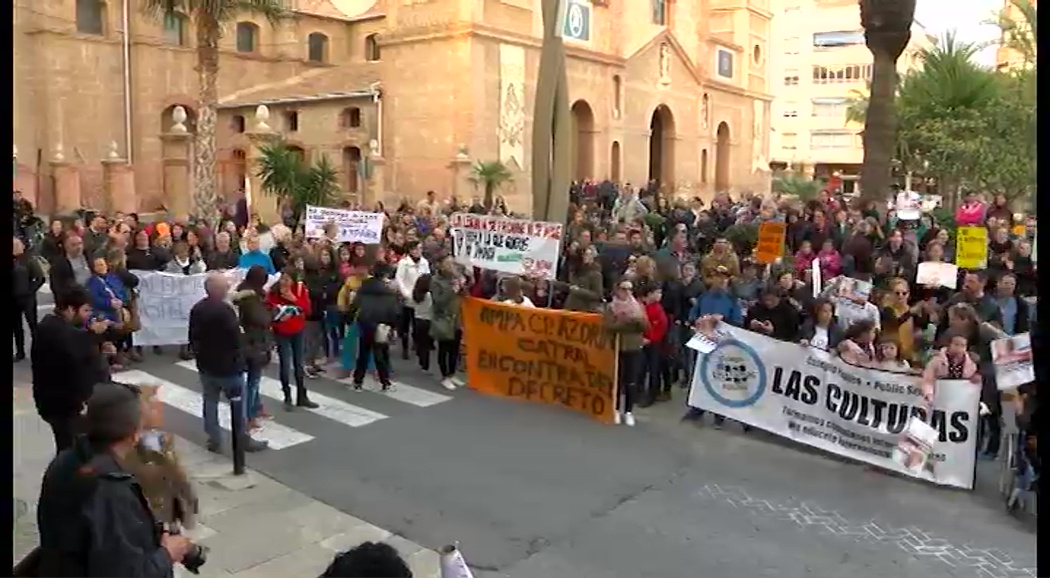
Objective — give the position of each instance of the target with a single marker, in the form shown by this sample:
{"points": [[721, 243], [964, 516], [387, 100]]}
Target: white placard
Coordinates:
{"points": [[354, 226], [937, 274], [813, 398], [514, 246], [908, 206], [165, 300], [1012, 357]]}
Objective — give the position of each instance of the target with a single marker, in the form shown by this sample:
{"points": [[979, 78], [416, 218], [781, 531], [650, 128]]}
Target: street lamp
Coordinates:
{"points": [[551, 122]]}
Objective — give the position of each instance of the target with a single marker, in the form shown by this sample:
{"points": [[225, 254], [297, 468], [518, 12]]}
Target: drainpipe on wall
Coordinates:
{"points": [[377, 99], [126, 19]]}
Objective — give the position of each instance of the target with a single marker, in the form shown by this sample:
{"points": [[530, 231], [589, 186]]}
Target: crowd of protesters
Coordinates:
{"points": [[653, 266]]}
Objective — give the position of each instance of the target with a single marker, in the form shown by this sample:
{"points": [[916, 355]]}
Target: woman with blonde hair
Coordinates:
{"points": [[117, 261]]}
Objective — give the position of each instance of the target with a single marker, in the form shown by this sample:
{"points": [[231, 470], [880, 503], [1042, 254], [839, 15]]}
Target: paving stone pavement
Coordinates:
{"points": [[962, 559], [253, 525]]}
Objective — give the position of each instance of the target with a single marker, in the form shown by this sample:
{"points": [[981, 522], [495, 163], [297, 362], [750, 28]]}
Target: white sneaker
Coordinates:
{"points": [[628, 418], [617, 418], [459, 382], [448, 384]]}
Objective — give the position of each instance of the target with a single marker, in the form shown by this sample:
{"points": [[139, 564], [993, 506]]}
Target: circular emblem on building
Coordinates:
{"points": [[733, 374], [576, 19]]}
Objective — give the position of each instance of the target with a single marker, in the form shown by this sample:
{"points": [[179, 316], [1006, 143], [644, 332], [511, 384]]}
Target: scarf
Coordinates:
{"points": [[625, 308]]}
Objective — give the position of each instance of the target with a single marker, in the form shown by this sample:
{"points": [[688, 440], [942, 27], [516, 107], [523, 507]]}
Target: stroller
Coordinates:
{"points": [[1019, 481]]}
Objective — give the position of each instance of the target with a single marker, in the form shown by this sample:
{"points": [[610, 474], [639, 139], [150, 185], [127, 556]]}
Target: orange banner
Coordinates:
{"points": [[541, 355], [770, 246]]}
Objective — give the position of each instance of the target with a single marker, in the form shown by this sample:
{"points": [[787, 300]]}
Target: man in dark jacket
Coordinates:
{"points": [[378, 312], [223, 256], [215, 339], [96, 236], [66, 363], [27, 279], [93, 517], [72, 268], [773, 316]]}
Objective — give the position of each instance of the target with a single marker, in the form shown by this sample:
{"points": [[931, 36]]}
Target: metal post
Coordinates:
{"points": [[237, 427]]}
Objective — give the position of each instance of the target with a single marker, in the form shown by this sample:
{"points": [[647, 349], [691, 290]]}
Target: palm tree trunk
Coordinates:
{"points": [[880, 127], [205, 198], [490, 190]]}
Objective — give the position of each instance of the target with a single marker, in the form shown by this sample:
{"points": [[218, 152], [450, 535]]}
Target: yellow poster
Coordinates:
{"points": [[971, 248]]}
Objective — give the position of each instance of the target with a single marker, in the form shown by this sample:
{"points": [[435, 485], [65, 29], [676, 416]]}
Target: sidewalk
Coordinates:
{"points": [[266, 529]]}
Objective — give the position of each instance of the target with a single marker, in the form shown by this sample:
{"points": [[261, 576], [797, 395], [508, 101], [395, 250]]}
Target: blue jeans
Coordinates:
{"points": [[252, 402], [290, 356], [332, 332], [232, 386]]}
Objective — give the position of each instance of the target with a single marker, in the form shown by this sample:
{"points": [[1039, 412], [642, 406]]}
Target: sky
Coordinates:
{"points": [[965, 17]]}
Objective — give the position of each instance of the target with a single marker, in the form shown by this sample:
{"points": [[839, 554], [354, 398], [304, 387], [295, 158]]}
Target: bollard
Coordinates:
{"points": [[237, 427]]}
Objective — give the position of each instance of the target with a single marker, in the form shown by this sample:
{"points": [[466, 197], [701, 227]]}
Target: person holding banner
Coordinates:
{"points": [[626, 317]]}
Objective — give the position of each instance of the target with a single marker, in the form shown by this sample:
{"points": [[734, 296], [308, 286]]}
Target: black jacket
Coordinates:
{"points": [[51, 247], [67, 363], [147, 259], [94, 519], [324, 286], [221, 261], [27, 277], [835, 333], [215, 338], [376, 303], [61, 273], [255, 318], [784, 316], [280, 256]]}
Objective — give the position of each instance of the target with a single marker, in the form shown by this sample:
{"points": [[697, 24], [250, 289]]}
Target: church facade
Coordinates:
{"points": [[401, 95]]}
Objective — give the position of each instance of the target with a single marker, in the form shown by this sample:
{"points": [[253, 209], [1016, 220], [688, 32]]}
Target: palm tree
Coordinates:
{"points": [[887, 31], [210, 17], [287, 176], [491, 175], [798, 186], [1018, 25]]}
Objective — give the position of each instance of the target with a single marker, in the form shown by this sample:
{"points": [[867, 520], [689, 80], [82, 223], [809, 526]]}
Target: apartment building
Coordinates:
{"points": [[818, 48]]}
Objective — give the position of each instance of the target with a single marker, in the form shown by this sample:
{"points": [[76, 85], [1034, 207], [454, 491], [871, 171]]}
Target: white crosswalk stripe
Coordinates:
{"points": [[329, 407], [416, 396], [188, 401]]}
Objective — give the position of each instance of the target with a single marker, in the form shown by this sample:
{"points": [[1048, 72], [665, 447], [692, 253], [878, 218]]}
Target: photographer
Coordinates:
{"points": [[93, 518]]}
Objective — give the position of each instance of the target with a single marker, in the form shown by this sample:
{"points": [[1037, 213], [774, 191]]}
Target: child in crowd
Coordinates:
{"points": [[653, 382]]}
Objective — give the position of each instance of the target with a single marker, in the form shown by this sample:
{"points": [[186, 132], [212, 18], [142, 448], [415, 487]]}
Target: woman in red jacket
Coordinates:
{"points": [[289, 303]]}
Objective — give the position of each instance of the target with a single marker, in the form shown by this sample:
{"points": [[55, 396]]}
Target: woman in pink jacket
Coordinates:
{"points": [[952, 362], [830, 260], [804, 259], [971, 211]]}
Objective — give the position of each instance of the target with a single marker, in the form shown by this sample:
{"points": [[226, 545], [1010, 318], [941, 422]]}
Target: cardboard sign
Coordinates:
{"points": [[937, 274], [545, 356], [1012, 357], [971, 248], [513, 246], [770, 246]]}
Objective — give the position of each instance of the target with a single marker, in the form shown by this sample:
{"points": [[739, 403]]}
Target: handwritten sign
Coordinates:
{"points": [[971, 248], [351, 226], [937, 274], [541, 355], [513, 246], [165, 300], [908, 206], [770, 246]]}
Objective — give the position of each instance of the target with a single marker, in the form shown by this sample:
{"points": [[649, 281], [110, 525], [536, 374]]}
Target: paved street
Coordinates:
{"points": [[532, 491]]}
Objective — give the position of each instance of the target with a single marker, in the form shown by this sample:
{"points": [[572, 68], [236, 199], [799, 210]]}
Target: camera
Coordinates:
{"points": [[196, 555]]}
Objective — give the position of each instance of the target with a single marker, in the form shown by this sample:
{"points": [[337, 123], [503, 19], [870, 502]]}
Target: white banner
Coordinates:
{"points": [[909, 206], [813, 398], [354, 226], [165, 300], [513, 246], [1012, 357]]}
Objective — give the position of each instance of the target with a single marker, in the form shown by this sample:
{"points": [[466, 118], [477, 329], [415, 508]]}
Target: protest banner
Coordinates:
{"points": [[353, 226], [541, 355], [1012, 358], [908, 206], [165, 300], [937, 274], [814, 398], [514, 246], [971, 247], [770, 245]]}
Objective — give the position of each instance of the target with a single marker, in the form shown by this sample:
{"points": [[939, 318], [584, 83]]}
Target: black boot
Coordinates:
{"points": [[302, 400], [288, 405]]}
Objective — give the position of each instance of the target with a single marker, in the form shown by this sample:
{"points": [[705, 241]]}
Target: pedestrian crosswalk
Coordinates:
{"points": [[179, 388]]}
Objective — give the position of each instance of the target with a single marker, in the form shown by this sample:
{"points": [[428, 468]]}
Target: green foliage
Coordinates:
{"points": [[743, 237], [797, 185], [490, 175], [285, 174], [965, 124]]}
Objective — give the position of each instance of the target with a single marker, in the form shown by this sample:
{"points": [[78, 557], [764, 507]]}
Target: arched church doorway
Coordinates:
{"points": [[722, 161], [582, 141], [661, 146]]}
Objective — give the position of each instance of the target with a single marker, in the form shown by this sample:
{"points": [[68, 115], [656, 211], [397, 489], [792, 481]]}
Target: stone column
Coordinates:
{"points": [[460, 166], [374, 180], [177, 154], [119, 180], [67, 183], [259, 135]]}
